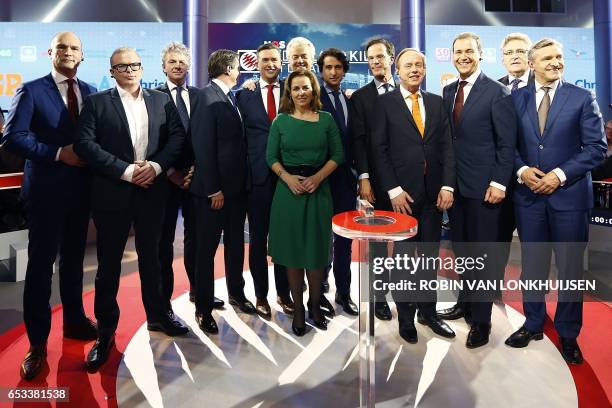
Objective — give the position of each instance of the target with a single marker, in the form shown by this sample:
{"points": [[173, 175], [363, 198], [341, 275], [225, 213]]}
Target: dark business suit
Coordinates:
{"points": [[484, 149], [572, 141], [178, 199], [260, 192], [56, 198], [105, 143], [217, 138], [343, 186], [420, 166]]}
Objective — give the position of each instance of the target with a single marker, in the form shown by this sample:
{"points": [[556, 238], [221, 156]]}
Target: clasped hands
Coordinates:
{"points": [[144, 174], [300, 184], [540, 182]]}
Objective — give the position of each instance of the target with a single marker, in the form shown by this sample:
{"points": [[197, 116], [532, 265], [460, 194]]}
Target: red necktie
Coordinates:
{"points": [[73, 103], [271, 103], [458, 103]]}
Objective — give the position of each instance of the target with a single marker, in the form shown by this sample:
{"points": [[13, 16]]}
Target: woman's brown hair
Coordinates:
{"points": [[287, 105]]}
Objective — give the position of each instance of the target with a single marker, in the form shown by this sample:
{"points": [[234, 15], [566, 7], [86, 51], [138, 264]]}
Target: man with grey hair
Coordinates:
{"points": [[176, 61], [560, 140], [515, 47], [129, 136], [300, 54]]}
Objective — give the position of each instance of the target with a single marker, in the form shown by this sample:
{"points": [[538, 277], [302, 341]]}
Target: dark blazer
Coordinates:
{"points": [[483, 139], [573, 140], [257, 128], [361, 111], [38, 124], [217, 139], [400, 153], [105, 143], [186, 158]]}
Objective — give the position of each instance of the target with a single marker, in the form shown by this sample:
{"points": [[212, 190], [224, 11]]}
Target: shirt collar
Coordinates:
{"points": [[221, 85], [524, 78], [553, 86], [60, 78], [263, 84], [125, 94], [472, 78], [171, 85], [379, 83], [406, 93], [329, 90]]}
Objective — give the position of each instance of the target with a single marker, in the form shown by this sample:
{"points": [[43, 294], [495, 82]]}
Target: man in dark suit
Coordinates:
{"points": [[484, 149], [176, 61], [333, 66], [259, 107], [415, 165], [380, 54], [218, 187], [560, 141], [129, 136], [41, 126]]}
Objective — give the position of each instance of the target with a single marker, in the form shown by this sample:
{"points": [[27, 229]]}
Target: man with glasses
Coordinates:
{"points": [[130, 137], [514, 51], [41, 126]]}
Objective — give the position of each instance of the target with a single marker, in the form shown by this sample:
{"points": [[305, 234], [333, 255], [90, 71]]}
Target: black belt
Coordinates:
{"points": [[303, 170]]}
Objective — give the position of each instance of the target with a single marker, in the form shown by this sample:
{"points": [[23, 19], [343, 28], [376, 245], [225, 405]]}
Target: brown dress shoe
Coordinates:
{"points": [[263, 308], [286, 304], [33, 361]]}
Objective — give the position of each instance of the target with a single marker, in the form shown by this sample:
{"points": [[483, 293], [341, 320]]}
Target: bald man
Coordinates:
{"points": [[41, 126]]}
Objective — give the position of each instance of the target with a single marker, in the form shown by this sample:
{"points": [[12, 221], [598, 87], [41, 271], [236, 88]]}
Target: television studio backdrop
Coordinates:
{"points": [[256, 361]]}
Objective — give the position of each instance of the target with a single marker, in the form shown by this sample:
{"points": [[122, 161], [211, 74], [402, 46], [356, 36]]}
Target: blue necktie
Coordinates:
{"points": [[386, 86], [339, 111], [181, 107], [515, 84]]}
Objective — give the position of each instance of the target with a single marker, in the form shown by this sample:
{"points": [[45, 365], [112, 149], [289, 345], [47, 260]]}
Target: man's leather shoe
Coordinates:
{"points": [[263, 308], [319, 324], [347, 304], [436, 325], [325, 286], [382, 311], [456, 312], [243, 304], [170, 327], [99, 353], [570, 351], [478, 335], [206, 323], [409, 333], [85, 330], [33, 361], [218, 303], [170, 314], [522, 337], [326, 307], [286, 304]]}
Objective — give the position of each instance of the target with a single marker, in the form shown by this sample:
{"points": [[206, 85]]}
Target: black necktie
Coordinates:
{"points": [[73, 102], [386, 86], [181, 107], [339, 111], [515, 84]]}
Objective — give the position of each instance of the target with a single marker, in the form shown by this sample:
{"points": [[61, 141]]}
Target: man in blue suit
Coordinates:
{"points": [[41, 126], [333, 66], [560, 141], [484, 150], [259, 107]]}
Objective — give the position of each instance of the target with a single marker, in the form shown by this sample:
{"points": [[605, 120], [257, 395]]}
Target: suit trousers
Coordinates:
{"points": [[177, 199], [53, 230], [259, 202], [145, 213], [210, 224]]}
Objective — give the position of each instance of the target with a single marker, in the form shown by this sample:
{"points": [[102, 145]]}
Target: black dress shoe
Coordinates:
{"points": [[522, 337], [409, 333], [325, 286], [436, 325], [206, 323], [326, 307], [33, 361], [286, 304], [218, 303], [570, 351], [478, 335], [456, 312], [99, 353], [170, 314], [85, 330], [319, 324], [382, 311], [243, 304], [263, 308], [347, 304], [170, 327]]}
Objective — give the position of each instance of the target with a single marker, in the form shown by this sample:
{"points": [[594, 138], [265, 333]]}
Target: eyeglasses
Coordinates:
{"points": [[518, 52], [135, 66]]}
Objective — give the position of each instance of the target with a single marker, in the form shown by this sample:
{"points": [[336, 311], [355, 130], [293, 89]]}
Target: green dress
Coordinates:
{"points": [[300, 225]]}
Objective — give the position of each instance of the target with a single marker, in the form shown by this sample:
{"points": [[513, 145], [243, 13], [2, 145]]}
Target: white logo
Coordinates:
{"points": [[27, 53]]}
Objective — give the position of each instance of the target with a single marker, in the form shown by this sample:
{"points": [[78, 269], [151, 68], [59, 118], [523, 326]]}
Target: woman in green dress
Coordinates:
{"points": [[304, 148]]}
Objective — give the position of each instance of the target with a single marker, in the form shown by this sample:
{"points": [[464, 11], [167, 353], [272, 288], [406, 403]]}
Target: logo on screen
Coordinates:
{"points": [[248, 61], [27, 53], [279, 44], [489, 55], [443, 54]]}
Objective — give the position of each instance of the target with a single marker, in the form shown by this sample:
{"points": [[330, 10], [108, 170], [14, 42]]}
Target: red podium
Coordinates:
{"points": [[368, 225]]}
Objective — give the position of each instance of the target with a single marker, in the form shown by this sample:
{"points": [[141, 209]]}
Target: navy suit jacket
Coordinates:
{"points": [[38, 124], [217, 139], [484, 139], [257, 129], [361, 112], [573, 140], [105, 143]]}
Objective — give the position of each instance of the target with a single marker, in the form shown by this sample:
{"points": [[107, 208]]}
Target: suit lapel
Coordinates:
{"points": [[532, 109], [116, 101], [225, 98], [149, 103], [259, 100], [404, 111], [472, 99], [55, 95], [428, 113], [449, 99], [559, 100]]}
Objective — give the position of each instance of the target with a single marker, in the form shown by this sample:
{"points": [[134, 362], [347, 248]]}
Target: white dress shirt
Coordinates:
{"points": [[524, 79], [62, 86], [138, 122], [539, 96], [330, 93], [264, 94], [185, 94]]}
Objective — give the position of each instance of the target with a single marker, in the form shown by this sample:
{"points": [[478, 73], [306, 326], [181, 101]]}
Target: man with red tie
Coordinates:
{"points": [[259, 108]]}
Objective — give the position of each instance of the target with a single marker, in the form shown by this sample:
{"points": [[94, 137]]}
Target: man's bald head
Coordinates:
{"points": [[66, 53]]}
